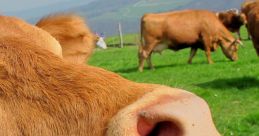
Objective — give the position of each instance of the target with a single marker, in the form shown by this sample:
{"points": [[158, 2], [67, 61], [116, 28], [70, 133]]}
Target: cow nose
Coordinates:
{"points": [[176, 112], [154, 125], [165, 111], [234, 58]]}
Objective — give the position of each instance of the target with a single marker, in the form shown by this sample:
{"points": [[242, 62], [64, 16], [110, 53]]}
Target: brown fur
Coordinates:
{"points": [[47, 96], [41, 94], [232, 21], [184, 29], [251, 9], [76, 39], [246, 6], [19, 28]]}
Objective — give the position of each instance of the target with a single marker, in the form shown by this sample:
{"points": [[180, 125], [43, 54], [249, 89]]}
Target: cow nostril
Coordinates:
{"points": [[166, 128], [162, 128]]}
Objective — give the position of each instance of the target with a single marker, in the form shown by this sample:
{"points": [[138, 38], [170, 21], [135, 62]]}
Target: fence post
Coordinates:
{"points": [[120, 34]]}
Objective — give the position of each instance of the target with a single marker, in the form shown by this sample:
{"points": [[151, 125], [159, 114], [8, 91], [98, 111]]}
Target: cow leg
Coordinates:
{"points": [[149, 62], [142, 57], [207, 47], [248, 33], [256, 45], [145, 54], [141, 64], [192, 54], [207, 52]]}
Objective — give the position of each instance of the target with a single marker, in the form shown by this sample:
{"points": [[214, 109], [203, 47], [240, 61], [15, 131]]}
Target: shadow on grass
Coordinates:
{"points": [[239, 83], [135, 69]]}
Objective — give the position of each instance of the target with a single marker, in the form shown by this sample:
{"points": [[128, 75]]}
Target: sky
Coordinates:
{"points": [[16, 5], [34, 9], [19, 5]]}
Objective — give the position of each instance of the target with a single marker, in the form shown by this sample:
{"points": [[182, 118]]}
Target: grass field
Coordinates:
{"points": [[230, 88]]}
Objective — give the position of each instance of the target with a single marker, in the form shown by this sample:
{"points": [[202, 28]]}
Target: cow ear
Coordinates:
{"points": [[90, 37]]}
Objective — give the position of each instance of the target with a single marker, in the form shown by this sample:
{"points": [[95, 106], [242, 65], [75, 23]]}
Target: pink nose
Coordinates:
{"points": [[174, 116], [167, 112]]}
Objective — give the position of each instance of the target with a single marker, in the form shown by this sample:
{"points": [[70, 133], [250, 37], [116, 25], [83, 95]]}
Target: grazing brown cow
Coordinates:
{"points": [[42, 95], [232, 20], [76, 39], [251, 9], [19, 28], [183, 29]]}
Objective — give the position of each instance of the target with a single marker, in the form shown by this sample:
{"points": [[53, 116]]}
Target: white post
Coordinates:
{"points": [[120, 34]]}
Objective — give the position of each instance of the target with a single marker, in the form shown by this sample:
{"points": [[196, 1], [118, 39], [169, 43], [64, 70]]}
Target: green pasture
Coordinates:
{"points": [[230, 88]]}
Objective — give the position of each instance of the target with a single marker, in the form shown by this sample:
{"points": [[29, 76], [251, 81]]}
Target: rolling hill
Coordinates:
{"points": [[104, 16]]}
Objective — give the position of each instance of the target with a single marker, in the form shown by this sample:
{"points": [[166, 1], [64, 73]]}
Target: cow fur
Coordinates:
{"points": [[251, 10], [42, 94], [232, 20], [184, 29], [20, 29], [72, 32]]}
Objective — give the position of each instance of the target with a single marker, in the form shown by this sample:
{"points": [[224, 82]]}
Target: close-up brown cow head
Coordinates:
{"points": [[42, 94], [56, 79]]}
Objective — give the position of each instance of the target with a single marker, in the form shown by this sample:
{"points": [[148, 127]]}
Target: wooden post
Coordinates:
{"points": [[120, 34]]}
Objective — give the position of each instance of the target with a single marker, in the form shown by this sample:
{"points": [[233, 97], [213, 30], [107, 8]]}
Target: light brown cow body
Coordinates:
{"points": [[41, 94], [251, 10], [184, 29], [20, 29], [232, 20], [76, 39]]}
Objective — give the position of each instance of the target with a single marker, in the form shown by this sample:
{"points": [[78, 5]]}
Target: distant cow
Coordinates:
{"points": [[251, 10], [20, 29], [184, 29], [232, 20], [42, 95], [76, 39]]}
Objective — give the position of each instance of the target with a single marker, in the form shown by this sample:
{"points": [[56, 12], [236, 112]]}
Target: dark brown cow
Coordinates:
{"points": [[232, 20], [184, 29], [251, 10], [42, 95]]}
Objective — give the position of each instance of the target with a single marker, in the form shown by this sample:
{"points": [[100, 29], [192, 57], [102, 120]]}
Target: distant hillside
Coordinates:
{"points": [[216, 5], [103, 16]]}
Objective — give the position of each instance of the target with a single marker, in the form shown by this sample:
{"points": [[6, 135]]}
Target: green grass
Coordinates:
{"points": [[128, 39], [230, 88]]}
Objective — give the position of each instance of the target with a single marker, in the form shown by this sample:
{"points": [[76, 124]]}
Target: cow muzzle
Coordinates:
{"points": [[163, 112]]}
